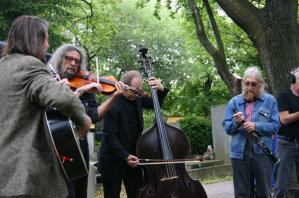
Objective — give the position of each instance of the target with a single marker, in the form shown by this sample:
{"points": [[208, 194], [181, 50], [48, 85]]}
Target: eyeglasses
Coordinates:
{"points": [[71, 59], [135, 89], [253, 84]]}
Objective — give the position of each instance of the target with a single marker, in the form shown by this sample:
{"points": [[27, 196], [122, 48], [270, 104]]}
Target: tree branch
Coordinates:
{"points": [[215, 28], [243, 13]]}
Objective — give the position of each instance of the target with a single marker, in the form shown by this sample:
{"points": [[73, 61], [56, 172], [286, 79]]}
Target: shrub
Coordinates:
{"points": [[199, 131]]}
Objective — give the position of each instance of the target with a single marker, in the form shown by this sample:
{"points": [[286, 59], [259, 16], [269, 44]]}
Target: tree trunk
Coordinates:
{"points": [[274, 32], [233, 84]]}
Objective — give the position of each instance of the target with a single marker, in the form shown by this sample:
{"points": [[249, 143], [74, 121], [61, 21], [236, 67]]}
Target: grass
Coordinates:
{"points": [[100, 192], [215, 180]]}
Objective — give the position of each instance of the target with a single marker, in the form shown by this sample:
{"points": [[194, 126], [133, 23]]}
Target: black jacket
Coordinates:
{"points": [[116, 144]]}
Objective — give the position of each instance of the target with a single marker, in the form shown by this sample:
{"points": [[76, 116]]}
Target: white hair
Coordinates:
{"points": [[254, 71]]}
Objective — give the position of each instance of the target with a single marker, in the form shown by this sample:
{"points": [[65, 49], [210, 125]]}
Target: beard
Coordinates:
{"points": [[251, 94], [63, 73]]}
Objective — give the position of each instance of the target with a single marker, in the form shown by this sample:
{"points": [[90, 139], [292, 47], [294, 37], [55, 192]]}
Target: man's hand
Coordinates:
{"points": [[83, 130], [155, 83], [92, 88], [249, 126], [132, 161], [66, 82], [239, 117], [121, 88]]}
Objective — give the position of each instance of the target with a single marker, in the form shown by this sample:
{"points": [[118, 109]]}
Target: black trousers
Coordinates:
{"points": [[78, 188], [132, 178]]}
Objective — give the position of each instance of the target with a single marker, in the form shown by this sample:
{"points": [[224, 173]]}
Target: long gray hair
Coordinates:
{"points": [[254, 71], [26, 36], [59, 54]]}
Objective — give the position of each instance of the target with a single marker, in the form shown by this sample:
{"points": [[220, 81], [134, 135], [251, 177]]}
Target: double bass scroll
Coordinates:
{"points": [[162, 141]]}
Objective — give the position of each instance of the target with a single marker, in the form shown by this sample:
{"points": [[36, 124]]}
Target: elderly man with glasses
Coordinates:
{"points": [[248, 158], [68, 60]]}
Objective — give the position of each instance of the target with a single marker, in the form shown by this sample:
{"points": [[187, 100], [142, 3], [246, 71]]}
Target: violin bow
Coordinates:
{"points": [[97, 65], [163, 161]]}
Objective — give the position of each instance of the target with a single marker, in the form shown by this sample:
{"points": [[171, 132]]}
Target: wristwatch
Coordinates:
{"points": [[79, 91]]}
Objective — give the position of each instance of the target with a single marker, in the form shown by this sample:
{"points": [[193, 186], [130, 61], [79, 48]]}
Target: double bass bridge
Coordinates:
{"points": [[171, 178]]}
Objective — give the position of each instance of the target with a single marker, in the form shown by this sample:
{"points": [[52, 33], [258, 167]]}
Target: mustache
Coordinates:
{"points": [[250, 90], [251, 94], [70, 67]]}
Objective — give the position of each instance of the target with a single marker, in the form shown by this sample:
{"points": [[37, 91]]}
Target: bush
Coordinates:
{"points": [[199, 131]]}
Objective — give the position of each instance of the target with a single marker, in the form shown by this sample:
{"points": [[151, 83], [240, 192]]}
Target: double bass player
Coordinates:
{"points": [[123, 125]]}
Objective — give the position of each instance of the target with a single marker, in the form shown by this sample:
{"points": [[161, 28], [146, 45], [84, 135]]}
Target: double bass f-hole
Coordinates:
{"points": [[167, 143]]}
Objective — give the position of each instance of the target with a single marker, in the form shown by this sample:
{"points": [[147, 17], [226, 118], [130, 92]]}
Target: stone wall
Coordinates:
{"points": [[221, 141]]}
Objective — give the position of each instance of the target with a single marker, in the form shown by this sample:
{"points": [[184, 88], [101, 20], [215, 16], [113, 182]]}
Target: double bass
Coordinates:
{"points": [[167, 143]]}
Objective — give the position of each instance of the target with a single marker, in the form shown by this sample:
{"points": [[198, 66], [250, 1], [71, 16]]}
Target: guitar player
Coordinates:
{"points": [[29, 166]]}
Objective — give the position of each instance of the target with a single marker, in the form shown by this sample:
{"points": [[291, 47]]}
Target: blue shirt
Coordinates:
{"points": [[265, 116]]}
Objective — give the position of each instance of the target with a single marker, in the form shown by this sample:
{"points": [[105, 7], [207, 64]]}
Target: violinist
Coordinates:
{"points": [[123, 125], [68, 60]]}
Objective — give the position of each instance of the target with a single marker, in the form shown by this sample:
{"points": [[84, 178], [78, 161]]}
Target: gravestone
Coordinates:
{"points": [[221, 141]]}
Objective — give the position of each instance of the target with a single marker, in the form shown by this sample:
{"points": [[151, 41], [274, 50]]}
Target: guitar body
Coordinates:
{"points": [[66, 144]]}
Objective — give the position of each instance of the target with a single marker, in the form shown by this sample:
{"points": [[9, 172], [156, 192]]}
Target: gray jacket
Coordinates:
{"points": [[28, 163]]}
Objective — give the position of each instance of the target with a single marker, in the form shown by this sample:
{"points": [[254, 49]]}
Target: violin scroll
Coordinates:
{"points": [[140, 94]]}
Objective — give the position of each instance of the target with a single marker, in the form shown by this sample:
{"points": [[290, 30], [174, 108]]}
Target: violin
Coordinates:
{"points": [[162, 141], [85, 77]]}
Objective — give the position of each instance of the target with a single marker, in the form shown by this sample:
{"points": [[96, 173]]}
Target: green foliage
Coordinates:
{"points": [[215, 179], [57, 12], [199, 131], [114, 30], [88, 24], [196, 94], [148, 117]]}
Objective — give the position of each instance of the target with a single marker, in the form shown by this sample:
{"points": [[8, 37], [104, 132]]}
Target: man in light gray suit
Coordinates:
{"points": [[29, 166]]}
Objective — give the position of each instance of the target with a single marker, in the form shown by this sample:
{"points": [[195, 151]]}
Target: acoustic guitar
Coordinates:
{"points": [[65, 140]]}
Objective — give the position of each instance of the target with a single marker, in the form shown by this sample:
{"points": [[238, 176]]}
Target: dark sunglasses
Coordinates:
{"points": [[71, 59], [253, 84]]}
